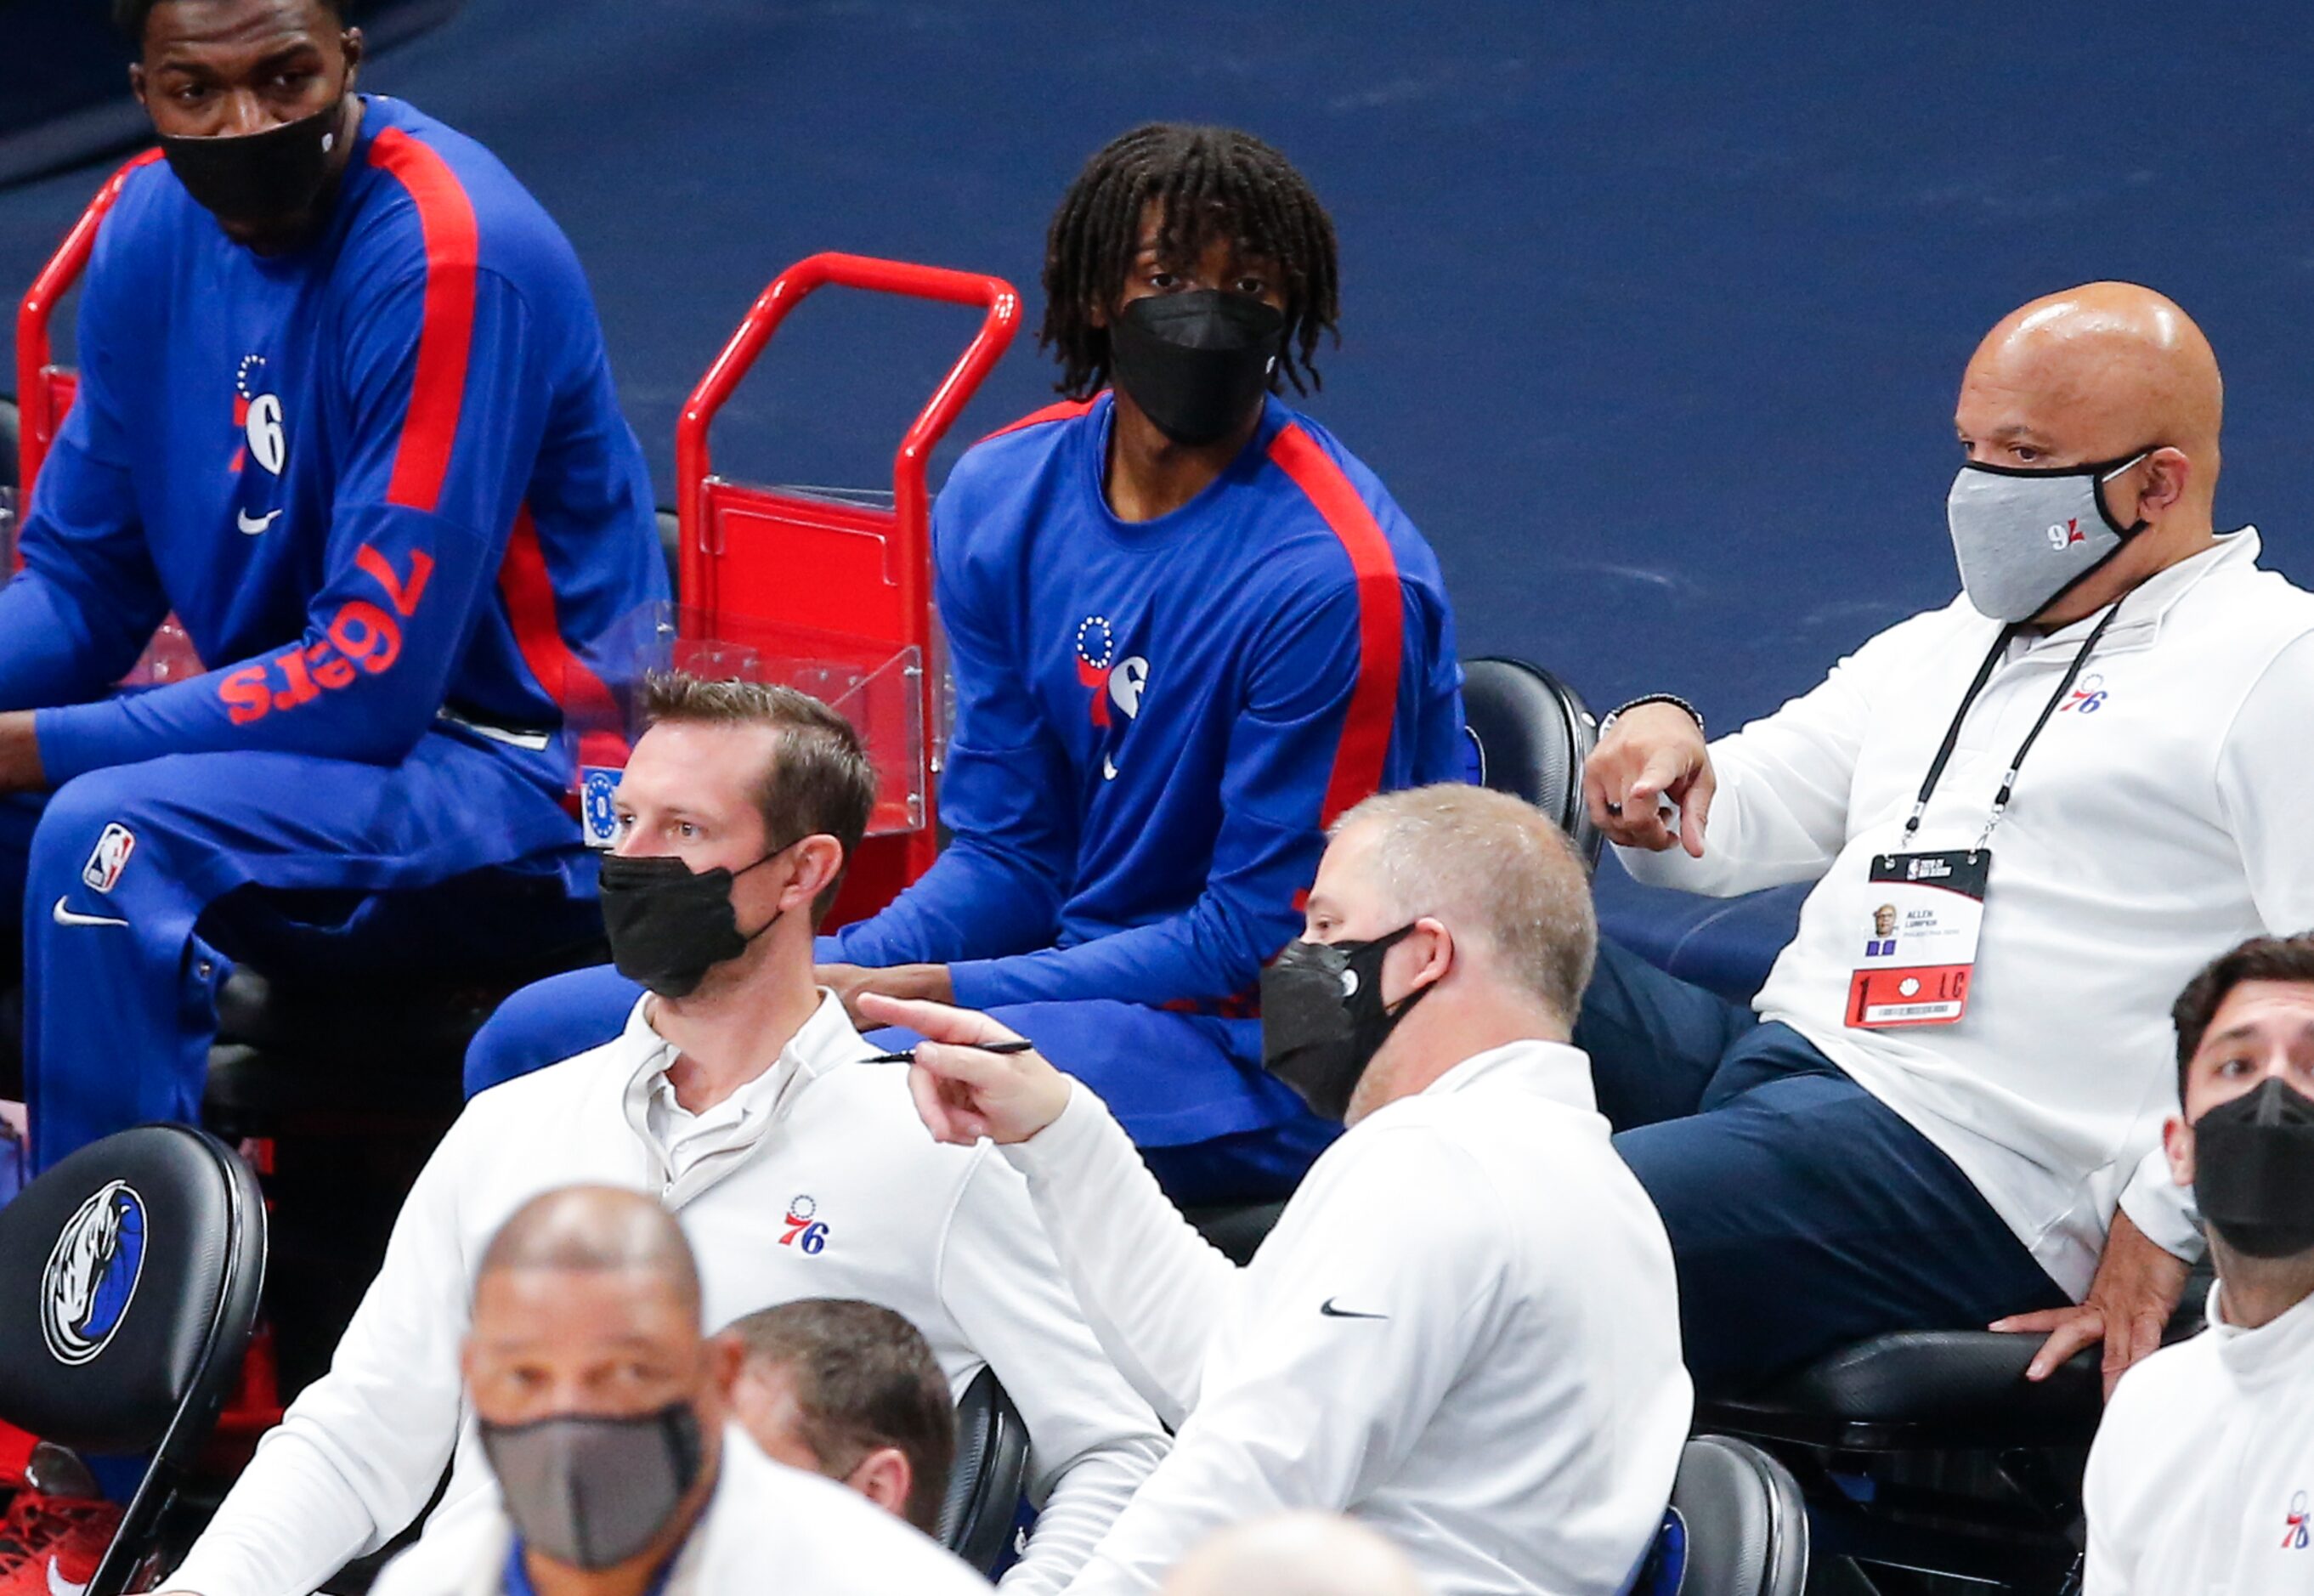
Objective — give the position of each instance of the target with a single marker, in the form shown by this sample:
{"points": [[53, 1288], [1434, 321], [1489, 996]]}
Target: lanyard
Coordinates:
{"points": [[2016, 763]]}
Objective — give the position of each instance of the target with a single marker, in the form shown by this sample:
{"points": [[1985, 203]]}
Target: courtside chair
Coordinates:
{"points": [[129, 1276], [990, 1472], [1738, 1527]]}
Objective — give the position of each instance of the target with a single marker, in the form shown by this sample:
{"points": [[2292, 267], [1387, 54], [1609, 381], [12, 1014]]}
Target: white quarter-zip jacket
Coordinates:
{"points": [[1464, 1331], [2164, 815], [766, 1528], [816, 1179], [2202, 1472]]}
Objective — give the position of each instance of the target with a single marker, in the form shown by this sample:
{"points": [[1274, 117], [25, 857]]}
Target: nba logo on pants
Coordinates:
{"points": [[111, 857]]}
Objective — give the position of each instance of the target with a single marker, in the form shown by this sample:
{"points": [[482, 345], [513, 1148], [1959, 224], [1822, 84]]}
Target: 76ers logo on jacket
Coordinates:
{"points": [[93, 1272], [1114, 682], [258, 414]]}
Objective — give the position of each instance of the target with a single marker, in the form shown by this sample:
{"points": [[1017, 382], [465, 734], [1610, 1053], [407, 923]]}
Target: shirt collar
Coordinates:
{"points": [[824, 1041], [2144, 607], [2280, 1347], [1550, 1070]]}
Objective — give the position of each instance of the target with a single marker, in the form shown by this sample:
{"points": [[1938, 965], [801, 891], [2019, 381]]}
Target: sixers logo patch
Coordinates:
{"points": [[804, 1232], [104, 866], [93, 1272], [598, 810]]}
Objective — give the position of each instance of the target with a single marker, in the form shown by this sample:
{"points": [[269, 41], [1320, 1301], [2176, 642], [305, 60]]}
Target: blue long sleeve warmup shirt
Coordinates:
{"points": [[1157, 720], [381, 481]]}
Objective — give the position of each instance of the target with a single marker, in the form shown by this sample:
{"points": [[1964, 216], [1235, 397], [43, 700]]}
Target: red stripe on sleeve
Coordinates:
{"points": [[1358, 758], [445, 219], [529, 589], [1068, 409]]}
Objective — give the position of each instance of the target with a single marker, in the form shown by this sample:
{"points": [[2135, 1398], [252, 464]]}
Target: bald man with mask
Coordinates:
{"points": [[2073, 785]]}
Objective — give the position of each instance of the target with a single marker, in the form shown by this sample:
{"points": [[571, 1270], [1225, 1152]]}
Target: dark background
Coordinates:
{"points": [[1653, 313]]}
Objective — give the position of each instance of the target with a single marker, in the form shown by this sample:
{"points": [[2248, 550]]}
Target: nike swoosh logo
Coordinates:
{"points": [[253, 525], [63, 916], [1328, 1308], [58, 1585]]}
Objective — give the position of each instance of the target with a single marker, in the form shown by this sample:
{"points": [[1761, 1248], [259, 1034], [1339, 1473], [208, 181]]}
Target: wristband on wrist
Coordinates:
{"points": [[1672, 698]]}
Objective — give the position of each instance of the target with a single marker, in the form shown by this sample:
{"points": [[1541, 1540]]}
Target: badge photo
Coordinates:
{"points": [[1932, 905]]}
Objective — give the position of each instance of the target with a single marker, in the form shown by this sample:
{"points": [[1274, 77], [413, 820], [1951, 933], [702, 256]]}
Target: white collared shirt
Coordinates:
{"points": [[2162, 816], [2202, 1478], [816, 1180], [1464, 1332]]}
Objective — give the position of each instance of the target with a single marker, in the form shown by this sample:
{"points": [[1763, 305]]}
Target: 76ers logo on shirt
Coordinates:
{"points": [[258, 413], [2293, 1527], [803, 1230], [111, 857], [1113, 682]]}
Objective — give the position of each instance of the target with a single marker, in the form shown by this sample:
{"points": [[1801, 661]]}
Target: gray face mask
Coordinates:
{"points": [[2023, 538], [591, 1493]]}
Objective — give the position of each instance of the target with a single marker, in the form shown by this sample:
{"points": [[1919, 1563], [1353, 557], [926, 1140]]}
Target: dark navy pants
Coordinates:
{"points": [[1803, 1213], [1136, 1058]]}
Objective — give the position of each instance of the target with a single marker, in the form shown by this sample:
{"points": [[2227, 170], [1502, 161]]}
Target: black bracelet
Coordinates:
{"points": [[1653, 698]]}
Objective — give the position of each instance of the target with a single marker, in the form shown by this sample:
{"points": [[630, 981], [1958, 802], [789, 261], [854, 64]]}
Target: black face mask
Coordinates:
{"points": [[2254, 1171], [668, 924], [1323, 1019], [591, 1493], [1195, 362], [258, 179]]}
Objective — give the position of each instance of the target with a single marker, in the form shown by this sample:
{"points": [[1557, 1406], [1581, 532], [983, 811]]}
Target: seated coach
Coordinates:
{"points": [[741, 1098], [616, 1465], [1189, 630], [2028, 816], [344, 409], [1463, 1332]]}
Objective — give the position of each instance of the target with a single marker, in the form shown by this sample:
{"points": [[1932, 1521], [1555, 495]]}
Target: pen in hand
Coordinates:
{"points": [[909, 1055]]}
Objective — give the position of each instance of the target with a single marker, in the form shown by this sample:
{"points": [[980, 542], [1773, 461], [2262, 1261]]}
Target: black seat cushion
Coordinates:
{"points": [[117, 1267], [1530, 733], [1946, 1389]]}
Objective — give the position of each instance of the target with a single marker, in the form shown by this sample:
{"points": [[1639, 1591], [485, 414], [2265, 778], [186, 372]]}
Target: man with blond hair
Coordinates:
{"points": [[1464, 1322]]}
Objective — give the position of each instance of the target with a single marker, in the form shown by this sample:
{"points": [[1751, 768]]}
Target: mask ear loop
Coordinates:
{"points": [[2106, 511], [777, 915]]}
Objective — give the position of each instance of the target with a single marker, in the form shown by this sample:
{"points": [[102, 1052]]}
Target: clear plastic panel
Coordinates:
{"points": [[876, 687]]}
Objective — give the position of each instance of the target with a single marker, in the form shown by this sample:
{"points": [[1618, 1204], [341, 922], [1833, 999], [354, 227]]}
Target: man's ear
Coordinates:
{"points": [[1438, 956], [137, 81], [726, 1356], [820, 861], [2178, 1144], [885, 1479], [2167, 473], [355, 48]]}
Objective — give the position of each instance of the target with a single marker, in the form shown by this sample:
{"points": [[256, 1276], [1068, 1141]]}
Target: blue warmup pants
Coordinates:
{"points": [[1803, 1212], [1255, 1145], [123, 956]]}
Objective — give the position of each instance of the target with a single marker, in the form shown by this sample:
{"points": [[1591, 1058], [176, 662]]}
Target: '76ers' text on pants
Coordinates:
{"points": [[117, 868]]}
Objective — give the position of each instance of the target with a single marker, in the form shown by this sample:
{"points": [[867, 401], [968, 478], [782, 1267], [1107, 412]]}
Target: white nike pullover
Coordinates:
{"points": [[2163, 816], [1464, 1332], [815, 1180]]}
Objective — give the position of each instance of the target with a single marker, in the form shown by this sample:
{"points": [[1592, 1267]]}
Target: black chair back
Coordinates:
{"points": [[1530, 734], [1736, 1526], [989, 1476], [129, 1276]]}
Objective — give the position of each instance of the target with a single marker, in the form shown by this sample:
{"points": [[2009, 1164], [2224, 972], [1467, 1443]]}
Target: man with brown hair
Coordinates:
{"points": [[739, 1098], [2160, 1517], [851, 1390]]}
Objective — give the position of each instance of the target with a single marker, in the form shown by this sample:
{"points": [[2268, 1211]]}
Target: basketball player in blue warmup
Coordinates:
{"points": [[344, 407], [1188, 630]]}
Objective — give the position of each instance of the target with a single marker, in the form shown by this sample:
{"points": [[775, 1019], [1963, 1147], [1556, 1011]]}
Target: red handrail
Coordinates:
{"points": [[37, 414], [910, 497]]}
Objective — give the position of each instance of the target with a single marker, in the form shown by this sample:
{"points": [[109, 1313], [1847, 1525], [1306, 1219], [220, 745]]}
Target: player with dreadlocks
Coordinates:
{"points": [[1188, 630]]}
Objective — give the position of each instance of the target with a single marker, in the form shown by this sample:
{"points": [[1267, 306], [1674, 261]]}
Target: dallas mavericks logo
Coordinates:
{"points": [[93, 1273]]}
